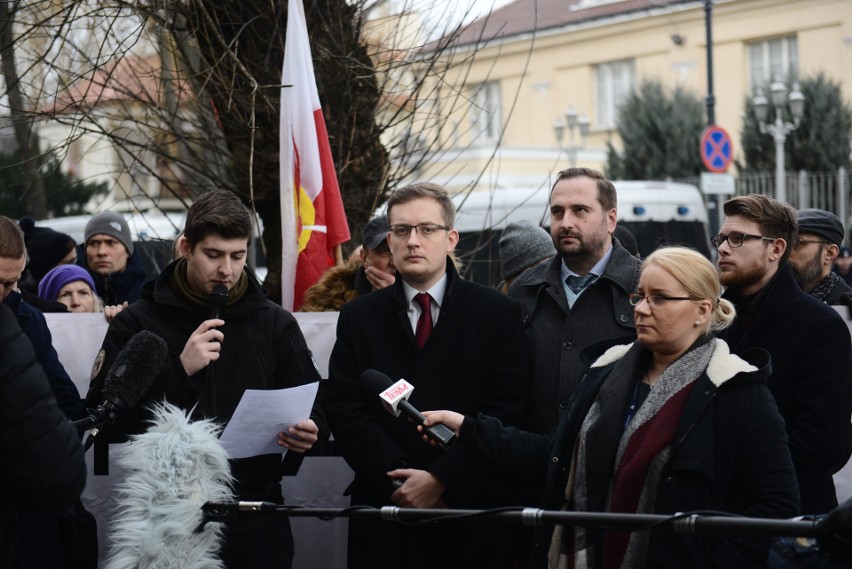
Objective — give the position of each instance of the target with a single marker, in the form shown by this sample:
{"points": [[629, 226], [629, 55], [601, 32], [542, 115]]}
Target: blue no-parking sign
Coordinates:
{"points": [[717, 150]]}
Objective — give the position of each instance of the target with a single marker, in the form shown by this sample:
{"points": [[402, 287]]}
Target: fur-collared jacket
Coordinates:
{"points": [[43, 466], [336, 287], [729, 454]]}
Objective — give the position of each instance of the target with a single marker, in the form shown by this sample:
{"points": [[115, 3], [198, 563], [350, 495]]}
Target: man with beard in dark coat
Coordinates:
{"points": [[255, 344], [460, 345], [809, 342], [579, 298], [576, 300], [814, 253]]}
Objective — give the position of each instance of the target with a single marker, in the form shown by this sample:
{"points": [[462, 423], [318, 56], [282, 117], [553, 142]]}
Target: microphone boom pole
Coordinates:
{"points": [[682, 523]]}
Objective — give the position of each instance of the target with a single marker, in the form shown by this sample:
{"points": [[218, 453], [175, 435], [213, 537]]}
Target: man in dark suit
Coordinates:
{"points": [[461, 349], [808, 340]]}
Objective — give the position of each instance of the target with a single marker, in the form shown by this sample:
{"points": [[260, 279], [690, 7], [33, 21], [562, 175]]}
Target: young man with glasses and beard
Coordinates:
{"points": [[808, 341], [460, 345]]}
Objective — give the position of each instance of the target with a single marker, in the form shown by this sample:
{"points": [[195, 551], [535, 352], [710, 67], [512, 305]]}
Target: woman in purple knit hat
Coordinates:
{"points": [[73, 286]]}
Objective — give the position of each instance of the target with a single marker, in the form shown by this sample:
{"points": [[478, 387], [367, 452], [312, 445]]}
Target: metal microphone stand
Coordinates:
{"points": [[682, 522]]}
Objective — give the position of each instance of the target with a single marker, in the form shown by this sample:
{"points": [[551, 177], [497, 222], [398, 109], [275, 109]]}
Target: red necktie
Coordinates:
{"points": [[424, 324]]}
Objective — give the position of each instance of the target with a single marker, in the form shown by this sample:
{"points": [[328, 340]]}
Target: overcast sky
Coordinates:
{"points": [[479, 7], [438, 10]]}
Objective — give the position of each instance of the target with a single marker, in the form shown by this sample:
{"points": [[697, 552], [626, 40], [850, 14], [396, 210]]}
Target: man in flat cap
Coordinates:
{"points": [[814, 253]]}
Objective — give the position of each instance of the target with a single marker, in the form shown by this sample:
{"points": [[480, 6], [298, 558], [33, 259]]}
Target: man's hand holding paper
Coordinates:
{"points": [[272, 422]]}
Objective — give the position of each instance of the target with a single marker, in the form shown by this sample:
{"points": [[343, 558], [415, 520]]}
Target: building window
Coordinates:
{"points": [[615, 81], [771, 59], [485, 115]]}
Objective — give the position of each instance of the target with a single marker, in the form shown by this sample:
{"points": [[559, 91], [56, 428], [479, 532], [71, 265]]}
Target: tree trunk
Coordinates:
{"points": [[33, 192]]}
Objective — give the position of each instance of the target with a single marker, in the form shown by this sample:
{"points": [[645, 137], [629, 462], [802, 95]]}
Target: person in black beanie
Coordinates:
{"points": [[46, 249]]}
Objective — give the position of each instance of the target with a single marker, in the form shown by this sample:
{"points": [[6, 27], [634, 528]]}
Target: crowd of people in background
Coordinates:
{"points": [[589, 379]]}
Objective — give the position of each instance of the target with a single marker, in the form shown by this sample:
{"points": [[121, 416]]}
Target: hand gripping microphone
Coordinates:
{"points": [[395, 396], [130, 377]]}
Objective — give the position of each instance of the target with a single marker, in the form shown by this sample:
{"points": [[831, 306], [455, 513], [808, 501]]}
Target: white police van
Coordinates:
{"points": [[657, 213], [153, 233]]}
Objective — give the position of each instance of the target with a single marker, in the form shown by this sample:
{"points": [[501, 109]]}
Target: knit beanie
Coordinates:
{"points": [[523, 244], [60, 276], [45, 247], [112, 224]]}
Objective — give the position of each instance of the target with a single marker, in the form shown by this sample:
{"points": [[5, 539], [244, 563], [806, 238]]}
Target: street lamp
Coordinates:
{"points": [[573, 123], [780, 129]]}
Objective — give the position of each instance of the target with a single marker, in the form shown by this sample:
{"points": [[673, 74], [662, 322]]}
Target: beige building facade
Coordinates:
{"points": [[532, 61]]}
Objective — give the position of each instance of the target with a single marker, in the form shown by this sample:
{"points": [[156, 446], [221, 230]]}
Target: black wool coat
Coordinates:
{"points": [[43, 466], [263, 349], [558, 335], [811, 351], [474, 361], [730, 454]]}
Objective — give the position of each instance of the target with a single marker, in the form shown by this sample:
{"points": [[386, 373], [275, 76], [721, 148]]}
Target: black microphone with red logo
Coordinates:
{"points": [[395, 396]]}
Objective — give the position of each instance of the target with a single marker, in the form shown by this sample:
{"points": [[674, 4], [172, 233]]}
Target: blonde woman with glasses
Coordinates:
{"points": [[670, 423]]}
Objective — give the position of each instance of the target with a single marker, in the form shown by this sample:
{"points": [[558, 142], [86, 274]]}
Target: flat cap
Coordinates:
{"points": [[822, 223]]}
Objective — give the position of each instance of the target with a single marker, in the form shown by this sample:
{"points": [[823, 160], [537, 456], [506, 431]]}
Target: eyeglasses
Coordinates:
{"points": [[425, 230], [735, 239], [803, 242], [654, 300]]}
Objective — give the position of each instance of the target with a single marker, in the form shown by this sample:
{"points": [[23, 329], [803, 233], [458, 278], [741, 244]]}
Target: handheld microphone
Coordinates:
{"points": [[218, 298], [395, 396], [130, 377]]}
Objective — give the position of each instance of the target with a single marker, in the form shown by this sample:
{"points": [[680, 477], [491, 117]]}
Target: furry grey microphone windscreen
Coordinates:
{"points": [[170, 471], [135, 367]]}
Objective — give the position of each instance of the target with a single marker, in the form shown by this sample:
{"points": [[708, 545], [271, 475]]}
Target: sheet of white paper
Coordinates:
{"points": [[261, 415]]}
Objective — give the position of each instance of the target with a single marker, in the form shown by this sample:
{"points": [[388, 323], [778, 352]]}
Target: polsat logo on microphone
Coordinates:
{"points": [[399, 389]]}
